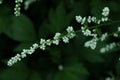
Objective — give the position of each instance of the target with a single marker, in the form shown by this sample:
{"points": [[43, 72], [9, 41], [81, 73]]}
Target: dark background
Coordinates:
{"points": [[43, 19]]}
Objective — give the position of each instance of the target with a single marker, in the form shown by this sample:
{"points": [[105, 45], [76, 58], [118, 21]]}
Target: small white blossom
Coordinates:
{"points": [[108, 47], [56, 42], [35, 45], [115, 35], [42, 41], [99, 21], [14, 60], [92, 43], [83, 20], [94, 19], [119, 29], [78, 19], [56, 38], [105, 11], [57, 35], [103, 37], [17, 7], [42, 46], [48, 42], [60, 67], [70, 29], [65, 39], [89, 19]]}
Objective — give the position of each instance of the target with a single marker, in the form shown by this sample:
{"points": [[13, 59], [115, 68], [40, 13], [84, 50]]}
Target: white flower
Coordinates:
{"points": [[42, 41], [105, 11], [102, 50], [65, 39], [56, 42], [103, 37], [115, 35], [14, 60], [99, 21], [17, 7], [56, 38], [35, 45], [89, 19], [60, 67], [119, 29], [42, 46], [94, 19], [83, 20], [92, 43], [71, 32], [48, 42], [70, 29], [108, 47], [78, 19], [57, 35], [87, 32]]}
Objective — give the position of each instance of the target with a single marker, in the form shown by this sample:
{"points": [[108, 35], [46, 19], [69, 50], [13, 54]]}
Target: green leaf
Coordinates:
{"points": [[21, 29], [35, 76], [58, 20], [73, 72], [18, 72], [5, 18]]}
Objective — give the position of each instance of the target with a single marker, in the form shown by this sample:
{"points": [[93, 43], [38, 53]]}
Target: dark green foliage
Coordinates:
{"points": [[42, 20]]}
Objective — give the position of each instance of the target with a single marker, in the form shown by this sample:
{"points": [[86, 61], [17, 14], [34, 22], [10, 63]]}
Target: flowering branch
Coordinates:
{"points": [[87, 31]]}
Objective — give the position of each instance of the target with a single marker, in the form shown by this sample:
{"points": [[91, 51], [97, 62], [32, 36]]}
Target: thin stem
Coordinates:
{"points": [[100, 25]]}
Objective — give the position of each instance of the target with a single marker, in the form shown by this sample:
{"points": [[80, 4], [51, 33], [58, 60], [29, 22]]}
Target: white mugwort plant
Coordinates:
{"points": [[17, 7], [85, 29]]}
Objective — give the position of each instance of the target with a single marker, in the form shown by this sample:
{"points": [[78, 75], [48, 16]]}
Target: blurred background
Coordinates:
{"points": [[42, 19]]}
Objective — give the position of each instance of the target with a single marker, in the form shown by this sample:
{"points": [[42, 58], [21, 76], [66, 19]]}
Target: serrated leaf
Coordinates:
{"points": [[21, 29]]}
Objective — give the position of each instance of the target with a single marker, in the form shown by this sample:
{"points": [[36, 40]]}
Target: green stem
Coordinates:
{"points": [[100, 25]]}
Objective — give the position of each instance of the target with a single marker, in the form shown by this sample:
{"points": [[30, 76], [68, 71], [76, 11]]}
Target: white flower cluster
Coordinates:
{"points": [[105, 11], [43, 43], [23, 54], [109, 47], [103, 37], [17, 7], [93, 19], [105, 14], [87, 32], [91, 43], [27, 3]]}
